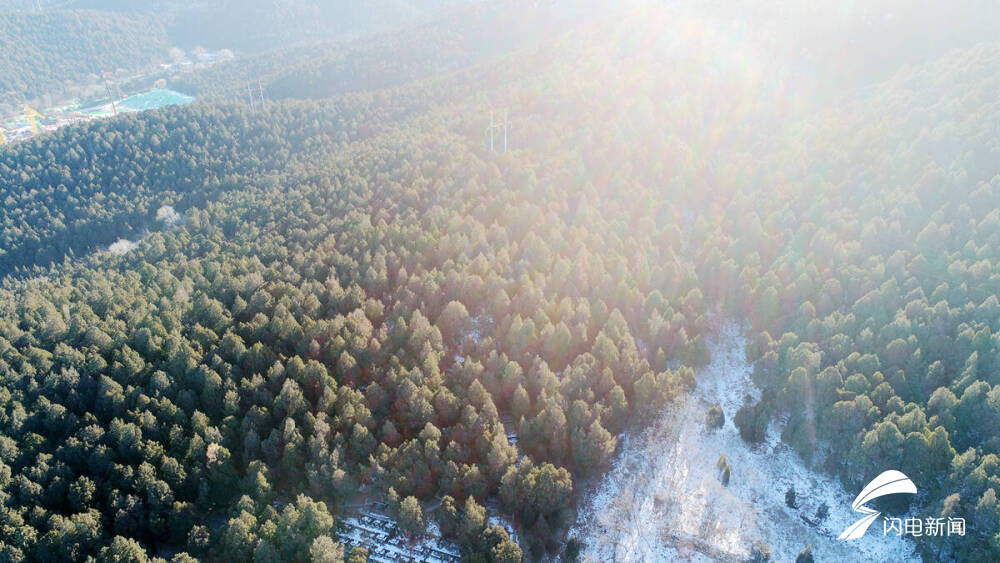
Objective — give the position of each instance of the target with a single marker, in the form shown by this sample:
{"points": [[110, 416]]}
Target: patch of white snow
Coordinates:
{"points": [[387, 543], [168, 216], [656, 507], [122, 246]]}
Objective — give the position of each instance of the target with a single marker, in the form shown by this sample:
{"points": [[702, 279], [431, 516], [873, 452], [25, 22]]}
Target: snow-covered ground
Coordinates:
{"points": [[386, 543], [169, 216], [122, 246], [663, 500], [165, 215]]}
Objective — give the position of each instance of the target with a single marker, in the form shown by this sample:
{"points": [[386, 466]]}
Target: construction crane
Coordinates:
{"points": [[33, 117]]}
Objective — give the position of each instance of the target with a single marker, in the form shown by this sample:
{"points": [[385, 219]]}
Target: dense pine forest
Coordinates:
{"points": [[258, 25], [461, 38], [43, 52], [362, 302], [51, 47]]}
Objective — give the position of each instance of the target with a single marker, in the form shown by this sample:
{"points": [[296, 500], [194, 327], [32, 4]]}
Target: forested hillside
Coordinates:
{"points": [[258, 25], [61, 45], [95, 184], [42, 52], [462, 38], [878, 323], [363, 302]]}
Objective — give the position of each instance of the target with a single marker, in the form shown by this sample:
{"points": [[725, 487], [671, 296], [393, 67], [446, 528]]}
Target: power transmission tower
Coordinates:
{"points": [[489, 131], [250, 94], [495, 128], [261, 88], [506, 128], [111, 96]]}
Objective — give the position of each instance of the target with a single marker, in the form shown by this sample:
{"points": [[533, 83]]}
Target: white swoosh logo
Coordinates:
{"points": [[888, 483]]}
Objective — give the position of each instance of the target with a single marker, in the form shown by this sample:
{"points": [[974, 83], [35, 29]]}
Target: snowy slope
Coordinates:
{"points": [[386, 543], [663, 500]]}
